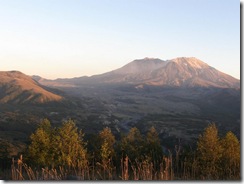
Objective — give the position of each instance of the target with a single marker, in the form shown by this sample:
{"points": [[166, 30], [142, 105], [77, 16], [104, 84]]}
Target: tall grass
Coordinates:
{"points": [[186, 169], [100, 171]]}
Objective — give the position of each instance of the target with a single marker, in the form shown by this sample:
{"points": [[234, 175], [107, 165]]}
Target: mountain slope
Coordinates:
{"points": [[191, 72], [18, 88], [187, 72], [134, 72], [179, 72]]}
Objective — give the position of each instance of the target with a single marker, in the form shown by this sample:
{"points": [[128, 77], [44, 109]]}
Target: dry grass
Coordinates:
{"points": [[144, 170], [21, 171], [106, 171]]}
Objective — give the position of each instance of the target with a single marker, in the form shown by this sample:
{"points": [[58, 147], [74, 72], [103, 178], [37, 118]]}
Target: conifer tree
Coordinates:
{"points": [[231, 156], [39, 149], [153, 148], [69, 145], [107, 144], [132, 145], [209, 152]]}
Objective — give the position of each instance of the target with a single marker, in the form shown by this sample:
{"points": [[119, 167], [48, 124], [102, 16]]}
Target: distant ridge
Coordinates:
{"points": [[18, 88]]}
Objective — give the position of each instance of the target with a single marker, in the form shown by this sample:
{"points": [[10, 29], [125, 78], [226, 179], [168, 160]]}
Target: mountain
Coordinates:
{"points": [[179, 72], [18, 88], [187, 72]]}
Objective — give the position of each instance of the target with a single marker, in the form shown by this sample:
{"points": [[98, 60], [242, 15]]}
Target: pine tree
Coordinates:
{"points": [[107, 144], [231, 156], [69, 145], [153, 147], [209, 152], [39, 149], [133, 144], [53, 147]]}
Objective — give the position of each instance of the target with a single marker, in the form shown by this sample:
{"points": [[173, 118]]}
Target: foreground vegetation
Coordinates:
{"points": [[62, 153]]}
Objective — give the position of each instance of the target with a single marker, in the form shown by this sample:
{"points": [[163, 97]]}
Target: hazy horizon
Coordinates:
{"points": [[66, 39]]}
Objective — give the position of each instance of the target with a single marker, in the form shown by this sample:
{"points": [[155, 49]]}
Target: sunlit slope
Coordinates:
{"points": [[18, 88], [182, 72]]}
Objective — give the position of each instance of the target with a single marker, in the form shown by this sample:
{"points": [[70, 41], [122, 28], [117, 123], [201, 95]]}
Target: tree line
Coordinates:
{"points": [[104, 157]]}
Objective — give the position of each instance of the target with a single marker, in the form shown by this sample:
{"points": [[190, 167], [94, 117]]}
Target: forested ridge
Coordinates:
{"points": [[63, 153]]}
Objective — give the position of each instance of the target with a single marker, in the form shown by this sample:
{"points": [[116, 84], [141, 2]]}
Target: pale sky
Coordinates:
{"points": [[73, 38]]}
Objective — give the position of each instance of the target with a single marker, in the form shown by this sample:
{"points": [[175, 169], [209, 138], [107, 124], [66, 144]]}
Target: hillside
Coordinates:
{"points": [[18, 88]]}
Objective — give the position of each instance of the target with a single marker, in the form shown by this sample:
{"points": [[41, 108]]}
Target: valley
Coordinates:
{"points": [[179, 98]]}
